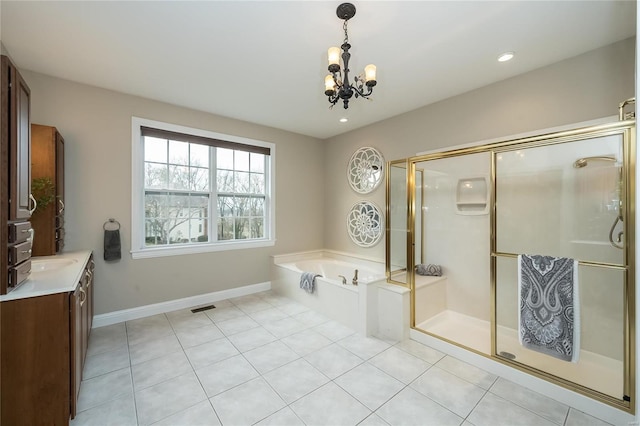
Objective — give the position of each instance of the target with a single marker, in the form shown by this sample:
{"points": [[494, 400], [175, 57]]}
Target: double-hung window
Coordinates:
{"points": [[197, 191]]}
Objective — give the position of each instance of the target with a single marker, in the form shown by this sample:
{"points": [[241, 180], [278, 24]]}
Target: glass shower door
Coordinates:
{"points": [[397, 223], [564, 200]]}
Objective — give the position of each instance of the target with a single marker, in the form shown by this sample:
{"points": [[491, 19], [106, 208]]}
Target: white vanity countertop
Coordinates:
{"points": [[50, 275]]}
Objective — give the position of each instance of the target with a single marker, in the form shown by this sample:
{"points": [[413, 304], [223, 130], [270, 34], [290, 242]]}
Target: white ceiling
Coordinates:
{"points": [[265, 61]]}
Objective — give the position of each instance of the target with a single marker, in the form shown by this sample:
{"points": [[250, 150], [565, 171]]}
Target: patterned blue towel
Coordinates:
{"points": [[549, 316], [308, 281]]}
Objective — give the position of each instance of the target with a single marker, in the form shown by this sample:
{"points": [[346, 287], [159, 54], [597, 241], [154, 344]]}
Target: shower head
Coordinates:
{"points": [[582, 162]]}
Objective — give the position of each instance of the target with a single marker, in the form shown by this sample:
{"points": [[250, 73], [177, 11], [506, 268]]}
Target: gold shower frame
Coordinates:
{"points": [[627, 130]]}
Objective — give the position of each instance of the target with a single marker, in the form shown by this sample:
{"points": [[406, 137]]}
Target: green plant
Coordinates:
{"points": [[44, 191]]}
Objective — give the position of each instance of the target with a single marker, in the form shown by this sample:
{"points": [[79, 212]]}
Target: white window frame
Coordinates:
{"points": [[138, 249]]}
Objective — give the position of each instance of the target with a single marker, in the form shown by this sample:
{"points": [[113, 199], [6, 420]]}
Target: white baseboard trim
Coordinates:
{"points": [[560, 394], [173, 305]]}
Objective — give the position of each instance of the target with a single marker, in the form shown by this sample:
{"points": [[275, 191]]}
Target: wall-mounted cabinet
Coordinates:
{"points": [[20, 147], [47, 173], [16, 202]]}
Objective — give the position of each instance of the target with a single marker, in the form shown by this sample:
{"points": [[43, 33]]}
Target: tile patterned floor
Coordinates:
{"points": [[266, 360]]}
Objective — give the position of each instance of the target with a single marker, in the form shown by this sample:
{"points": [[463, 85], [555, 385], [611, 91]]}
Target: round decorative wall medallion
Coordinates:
{"points": [[365, 170], [364, 223]]}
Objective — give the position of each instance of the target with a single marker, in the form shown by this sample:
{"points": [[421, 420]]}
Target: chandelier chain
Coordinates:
{"points": [[346, 35]]}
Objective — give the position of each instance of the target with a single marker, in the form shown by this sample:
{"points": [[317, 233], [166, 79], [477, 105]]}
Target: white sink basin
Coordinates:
{"points": [[46, 265]]}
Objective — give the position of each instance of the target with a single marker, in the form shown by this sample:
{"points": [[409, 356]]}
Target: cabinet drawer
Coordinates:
{"points": [[19, 232], [18, 274], [19, 253]]}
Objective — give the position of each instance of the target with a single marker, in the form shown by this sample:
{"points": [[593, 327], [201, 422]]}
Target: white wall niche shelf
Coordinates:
{"points": [[472, 196]]}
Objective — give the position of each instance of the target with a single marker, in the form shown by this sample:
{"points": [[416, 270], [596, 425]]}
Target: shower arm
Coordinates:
{"points": [[621, 115]]}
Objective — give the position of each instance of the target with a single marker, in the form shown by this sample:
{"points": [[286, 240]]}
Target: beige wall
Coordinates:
{"points": [[96, 125], [585, 87]]}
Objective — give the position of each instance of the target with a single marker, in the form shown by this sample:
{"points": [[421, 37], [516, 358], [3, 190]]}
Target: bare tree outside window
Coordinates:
{"points": [[240, 195], [178, 195]]}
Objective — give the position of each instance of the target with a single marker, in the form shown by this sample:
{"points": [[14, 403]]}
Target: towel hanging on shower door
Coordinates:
{"points": [[549, 315]]}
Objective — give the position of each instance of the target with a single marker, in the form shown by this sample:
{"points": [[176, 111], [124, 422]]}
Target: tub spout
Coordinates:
{"points": [[354, 281], [344, 279]]}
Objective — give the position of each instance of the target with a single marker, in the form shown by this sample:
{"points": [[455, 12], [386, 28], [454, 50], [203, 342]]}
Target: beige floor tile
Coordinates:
{"points": [[118, 412], [411, 408], [369, 385], [248, 403], [330, 405], [295, 380], [200, 414], [224, 375], [159, 369], [495, 411], [168, 398]]}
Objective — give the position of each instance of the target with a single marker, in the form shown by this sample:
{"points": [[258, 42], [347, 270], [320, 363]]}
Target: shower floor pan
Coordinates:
{"points": [[594, 371]]}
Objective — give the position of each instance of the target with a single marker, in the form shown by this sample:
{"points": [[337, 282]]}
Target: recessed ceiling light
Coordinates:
{"points": [[344, 119], [507, 56]]}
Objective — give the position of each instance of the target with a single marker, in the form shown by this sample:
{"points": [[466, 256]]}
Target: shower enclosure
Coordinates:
{"points": [[474, 210]]}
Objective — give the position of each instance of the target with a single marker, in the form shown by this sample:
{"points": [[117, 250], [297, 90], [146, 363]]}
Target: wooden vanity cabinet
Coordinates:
{"points": [[44, 346], [76, 349], [15, 169], [35, 361], [81, 302], [47, 161]]}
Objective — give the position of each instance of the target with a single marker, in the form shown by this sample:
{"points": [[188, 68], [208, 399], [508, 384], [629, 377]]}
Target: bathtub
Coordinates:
{"points": [[332, 269], [354, 306]]}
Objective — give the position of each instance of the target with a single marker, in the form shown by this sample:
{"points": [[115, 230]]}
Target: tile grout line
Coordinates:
{"points": [[566, 417], [133, 389]]}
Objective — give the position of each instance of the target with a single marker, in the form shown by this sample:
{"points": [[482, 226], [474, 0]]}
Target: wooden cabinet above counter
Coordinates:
{"points": [[47, 174], [16, 201]]}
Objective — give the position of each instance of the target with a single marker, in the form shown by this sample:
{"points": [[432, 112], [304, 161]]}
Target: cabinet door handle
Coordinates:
{"points": [[61, 209], [83, 299], [35, 204], [25, 251]]}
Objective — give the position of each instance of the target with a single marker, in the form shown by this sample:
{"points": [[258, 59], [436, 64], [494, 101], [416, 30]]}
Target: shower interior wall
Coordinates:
{"points": [[459, 243]]}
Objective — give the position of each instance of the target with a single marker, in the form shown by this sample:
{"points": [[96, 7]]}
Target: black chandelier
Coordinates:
{"points": [[336, 84]]}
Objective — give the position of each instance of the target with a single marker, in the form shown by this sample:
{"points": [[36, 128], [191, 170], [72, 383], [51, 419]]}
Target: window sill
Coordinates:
{"points": [[150, 252]]}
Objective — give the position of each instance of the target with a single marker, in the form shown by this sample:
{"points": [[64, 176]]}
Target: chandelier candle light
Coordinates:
{"points": [[337, 85]]}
